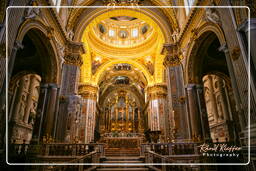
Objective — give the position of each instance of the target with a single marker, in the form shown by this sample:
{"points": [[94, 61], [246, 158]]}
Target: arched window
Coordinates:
{"points": [[111, 33], [135, 32]]}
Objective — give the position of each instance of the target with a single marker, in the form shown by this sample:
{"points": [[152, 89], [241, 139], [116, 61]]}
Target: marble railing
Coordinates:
{"points": [[177, 148], [52, 152], [160, 162], [92, 157]]}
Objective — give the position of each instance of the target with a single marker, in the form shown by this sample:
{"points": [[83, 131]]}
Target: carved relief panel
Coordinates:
{"points": [[22, 111]]}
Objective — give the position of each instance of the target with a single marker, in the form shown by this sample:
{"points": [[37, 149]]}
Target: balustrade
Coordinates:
{"points": [[92, 157], [58, 151], [171, 148]]}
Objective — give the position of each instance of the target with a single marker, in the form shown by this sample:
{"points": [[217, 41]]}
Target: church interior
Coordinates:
{"points": [[154, 85]]}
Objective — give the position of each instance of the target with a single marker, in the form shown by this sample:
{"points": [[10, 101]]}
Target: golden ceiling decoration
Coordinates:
{"points": [[122, 45]]}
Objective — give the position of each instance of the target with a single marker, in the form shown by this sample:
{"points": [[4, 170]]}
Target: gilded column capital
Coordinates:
{"points": [[157, 91], [73, 53], [88, 91], [172, 52]]}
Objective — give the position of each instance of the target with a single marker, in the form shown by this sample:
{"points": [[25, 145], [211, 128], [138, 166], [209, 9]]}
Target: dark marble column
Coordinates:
{"points": [[203, 113], [48, 123], [177, 102], [68, 106], [244, 28], [38, 126], [194, 113], [57, 105], [239, 107]]}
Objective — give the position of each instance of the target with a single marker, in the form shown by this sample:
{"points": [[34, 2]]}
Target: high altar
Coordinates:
{"points": [[120, 124]]}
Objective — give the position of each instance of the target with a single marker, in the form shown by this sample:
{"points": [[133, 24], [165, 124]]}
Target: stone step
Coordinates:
{"points": [[130, 165], [123, 158], [123, 161], [121, 169], [122, 152]]}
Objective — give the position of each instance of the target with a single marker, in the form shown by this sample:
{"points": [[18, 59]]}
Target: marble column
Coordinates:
{"points": [[203, 113], [244, 27], [57, 105], [177, 109], [239, 107], [67, 108], [177, 101], [88, 115], [41, 108], [50, 110], [194, 113], [158, 118]]}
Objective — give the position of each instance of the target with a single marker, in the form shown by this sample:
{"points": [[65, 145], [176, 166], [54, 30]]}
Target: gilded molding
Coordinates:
{"points": [[172, 54], [156, 92], [88, 91], [73, 53]]}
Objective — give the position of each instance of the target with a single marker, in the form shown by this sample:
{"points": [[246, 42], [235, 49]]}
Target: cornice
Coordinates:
{"points": [[56, 19], [191, 20]]}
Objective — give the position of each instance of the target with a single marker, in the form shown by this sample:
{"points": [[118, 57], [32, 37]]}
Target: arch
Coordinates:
{"points": [[100, 14], [146, 14], [192, 61], [149, 77], [42, 33]]}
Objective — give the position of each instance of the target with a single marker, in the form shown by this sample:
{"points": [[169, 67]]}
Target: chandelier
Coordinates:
{"points": [[121, 2]]}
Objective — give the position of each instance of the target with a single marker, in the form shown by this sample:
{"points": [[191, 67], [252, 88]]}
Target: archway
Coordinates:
{"points": [[124, 53], [218, 96], [33, 86]]}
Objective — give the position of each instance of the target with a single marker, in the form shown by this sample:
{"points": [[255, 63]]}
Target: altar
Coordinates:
{"points": [[123, 140]]}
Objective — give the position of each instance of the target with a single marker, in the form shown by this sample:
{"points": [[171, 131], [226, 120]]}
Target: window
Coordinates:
{"points": [[135, 33], [111, 33], [188, 4]]}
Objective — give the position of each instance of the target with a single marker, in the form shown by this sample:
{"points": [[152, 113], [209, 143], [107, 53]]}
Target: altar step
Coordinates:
{"points": [[122, 152], [128, 163]]}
